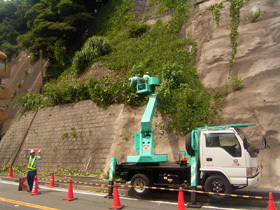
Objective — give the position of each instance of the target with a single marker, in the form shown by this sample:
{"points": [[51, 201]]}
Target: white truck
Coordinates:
{"points": [[219, 158]]}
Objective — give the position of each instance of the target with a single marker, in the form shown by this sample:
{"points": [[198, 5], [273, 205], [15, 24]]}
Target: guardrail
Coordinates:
{"points": [[161, 188]]}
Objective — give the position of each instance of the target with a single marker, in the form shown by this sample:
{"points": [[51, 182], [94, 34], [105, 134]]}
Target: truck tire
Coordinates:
{"points": [[139, 182], [218, 184], [188, 143]]}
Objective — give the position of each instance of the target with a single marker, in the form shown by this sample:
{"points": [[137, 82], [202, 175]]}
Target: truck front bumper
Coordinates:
{"points": [[254, 180]]}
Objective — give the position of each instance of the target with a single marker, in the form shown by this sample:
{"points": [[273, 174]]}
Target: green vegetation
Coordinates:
{"points": [[131, 49], [235, 6], [58, 28], [237, 83], [158, 8], [72, 172], [64, 135], [215, 9], [93, 48], [219, 95], [185, 101], [12, 24], [73, 37], [16, 169], [255, 15]]}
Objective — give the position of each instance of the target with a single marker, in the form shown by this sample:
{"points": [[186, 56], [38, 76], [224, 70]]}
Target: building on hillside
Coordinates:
{"points": [[5, 72]]}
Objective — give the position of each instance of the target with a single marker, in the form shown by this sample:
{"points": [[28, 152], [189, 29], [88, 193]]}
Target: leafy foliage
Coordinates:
{"points": [[183, 99], [93, 48], [103, 92], [58, 28], [235, 6], [17, 170], [237, 83], [12, 24], [255, 15], [128, 48], [215, 9]]}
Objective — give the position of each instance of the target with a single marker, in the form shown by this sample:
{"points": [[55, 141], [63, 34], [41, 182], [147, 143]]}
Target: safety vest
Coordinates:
{"points": [[31, 163]]}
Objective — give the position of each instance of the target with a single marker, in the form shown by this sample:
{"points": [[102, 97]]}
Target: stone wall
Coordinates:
{"points": [[76, 135], [11, 142]]}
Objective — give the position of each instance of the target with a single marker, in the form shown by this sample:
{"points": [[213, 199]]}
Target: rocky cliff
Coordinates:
{"points": [[256, 62]]}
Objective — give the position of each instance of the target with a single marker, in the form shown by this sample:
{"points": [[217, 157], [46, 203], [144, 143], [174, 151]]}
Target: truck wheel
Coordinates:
{"points": [[188, 143], [218, 184], [139, 182]]}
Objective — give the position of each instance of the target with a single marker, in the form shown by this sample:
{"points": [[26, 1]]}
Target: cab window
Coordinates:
{"points": [[226, 141]]}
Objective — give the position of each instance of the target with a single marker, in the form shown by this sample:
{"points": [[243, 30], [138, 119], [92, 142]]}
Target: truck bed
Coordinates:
{"points": [[160, 174]]}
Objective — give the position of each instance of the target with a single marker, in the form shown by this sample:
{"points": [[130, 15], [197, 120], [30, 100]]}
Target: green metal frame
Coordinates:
{"points": [[143, 141], [226, 126]]}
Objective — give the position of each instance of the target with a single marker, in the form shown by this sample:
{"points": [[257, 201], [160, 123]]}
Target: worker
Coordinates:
{"points": [[32, 166], [146, 76]]}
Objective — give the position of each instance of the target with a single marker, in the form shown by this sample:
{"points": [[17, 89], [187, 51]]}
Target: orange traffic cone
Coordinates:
{"points": [[52, 181], [271, 205], [70, 196], [22, 186], [10, 172], [181, 202], [35, 187], [116, 199]]}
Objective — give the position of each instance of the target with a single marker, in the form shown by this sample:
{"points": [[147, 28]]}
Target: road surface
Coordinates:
{"points": [[52, 199]]}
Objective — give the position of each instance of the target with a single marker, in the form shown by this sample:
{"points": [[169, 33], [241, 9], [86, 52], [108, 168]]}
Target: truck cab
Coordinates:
{"points": [[227, 160]]}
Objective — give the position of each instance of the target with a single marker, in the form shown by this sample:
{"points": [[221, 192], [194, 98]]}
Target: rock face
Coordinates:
{"points": [[256, 62]]}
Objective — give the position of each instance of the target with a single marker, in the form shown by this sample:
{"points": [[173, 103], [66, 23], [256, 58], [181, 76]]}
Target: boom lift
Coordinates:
{"points": [[144, 139]]}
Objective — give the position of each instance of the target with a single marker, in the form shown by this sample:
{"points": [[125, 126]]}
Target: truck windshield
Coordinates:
{"points": [[226, 141], [247, 144]]}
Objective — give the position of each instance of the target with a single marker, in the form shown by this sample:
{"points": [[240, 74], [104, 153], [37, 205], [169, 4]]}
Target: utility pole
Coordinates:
{"points": [[42, 72]]}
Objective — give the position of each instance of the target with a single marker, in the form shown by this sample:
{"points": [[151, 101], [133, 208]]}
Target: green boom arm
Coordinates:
{"points": [[143, 141]]}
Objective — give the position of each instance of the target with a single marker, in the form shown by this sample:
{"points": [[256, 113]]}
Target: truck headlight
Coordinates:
{"points": [[251, 172]]}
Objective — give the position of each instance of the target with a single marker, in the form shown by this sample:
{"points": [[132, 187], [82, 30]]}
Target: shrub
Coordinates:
{"points": [[29, 102], [93, 48], [255, 15], [215, 9], [138, 70], [237, 83], [185, 101], [137, 29]]}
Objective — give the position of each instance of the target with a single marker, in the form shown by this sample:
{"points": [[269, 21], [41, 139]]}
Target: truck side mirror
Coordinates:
{"points": [[264, 142]]}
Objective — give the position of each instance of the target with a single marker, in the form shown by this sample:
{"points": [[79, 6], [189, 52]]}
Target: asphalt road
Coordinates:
{"points": [[52, 198]]}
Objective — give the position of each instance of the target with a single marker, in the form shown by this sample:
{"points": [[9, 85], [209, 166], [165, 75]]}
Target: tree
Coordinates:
{"points": [[58, 28], [12, 24]]}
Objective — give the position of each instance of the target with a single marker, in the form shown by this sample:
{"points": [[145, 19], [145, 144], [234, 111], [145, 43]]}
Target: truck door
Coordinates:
{"points": [[222, 151]]}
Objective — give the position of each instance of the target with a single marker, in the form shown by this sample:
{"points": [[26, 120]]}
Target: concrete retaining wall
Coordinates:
{"points": [[76, 135]]}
